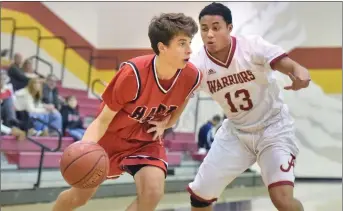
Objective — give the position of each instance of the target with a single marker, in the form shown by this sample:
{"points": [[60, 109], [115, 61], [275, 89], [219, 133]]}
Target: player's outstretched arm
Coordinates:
{"points": [[299, 75], [99, 126]]}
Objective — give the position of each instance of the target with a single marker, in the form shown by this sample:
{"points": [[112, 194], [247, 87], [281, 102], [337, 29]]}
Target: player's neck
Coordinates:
{"points": [[222, 54], [163, 69]]}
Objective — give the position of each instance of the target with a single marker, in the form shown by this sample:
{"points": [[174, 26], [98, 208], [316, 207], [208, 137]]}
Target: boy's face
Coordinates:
{"points": [[72, 102], [178, 52], [215, 32]]}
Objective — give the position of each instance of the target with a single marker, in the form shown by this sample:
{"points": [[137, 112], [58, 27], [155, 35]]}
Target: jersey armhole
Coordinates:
{"points": [[139, 83], [196, 83]]}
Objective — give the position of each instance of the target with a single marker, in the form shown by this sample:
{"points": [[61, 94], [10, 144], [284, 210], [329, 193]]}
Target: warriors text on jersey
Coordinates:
{"points": [[245, 85]]}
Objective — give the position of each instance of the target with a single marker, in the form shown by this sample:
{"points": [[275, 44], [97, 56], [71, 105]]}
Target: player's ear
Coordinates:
{"points": [[230, 27], [161, 47]]}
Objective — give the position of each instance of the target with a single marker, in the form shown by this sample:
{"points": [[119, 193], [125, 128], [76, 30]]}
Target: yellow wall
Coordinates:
{"points": [[329, 79]]}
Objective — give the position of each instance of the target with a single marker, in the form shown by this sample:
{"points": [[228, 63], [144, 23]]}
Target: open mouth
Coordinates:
{"points": [[186, 60]]}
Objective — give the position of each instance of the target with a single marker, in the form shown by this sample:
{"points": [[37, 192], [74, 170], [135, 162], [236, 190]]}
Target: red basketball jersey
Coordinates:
{"points": [[138, 95]]}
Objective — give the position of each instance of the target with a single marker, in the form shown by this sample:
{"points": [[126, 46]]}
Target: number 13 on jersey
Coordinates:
{"points": [[242, 94]]}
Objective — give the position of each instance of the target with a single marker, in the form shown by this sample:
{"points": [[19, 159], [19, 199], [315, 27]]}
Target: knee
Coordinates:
{"points": [[150, 184], [282, 201], [72, 200], [56, 114], [152, 192], [78, 202]]}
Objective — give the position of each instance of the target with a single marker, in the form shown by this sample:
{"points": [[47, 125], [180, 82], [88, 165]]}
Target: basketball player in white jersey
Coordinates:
{"points": [[238, 74]]}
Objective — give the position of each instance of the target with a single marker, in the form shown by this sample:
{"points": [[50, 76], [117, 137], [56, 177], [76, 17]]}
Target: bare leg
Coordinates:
{"points": [[283, 199], [133, 206], [73, 198], [150, 189]]}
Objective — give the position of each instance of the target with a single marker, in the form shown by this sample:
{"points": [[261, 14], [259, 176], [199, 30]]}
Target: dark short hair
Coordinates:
{"points": [[51, 76], [70, 97], [217, 9], [216, 118], [165, 27]]}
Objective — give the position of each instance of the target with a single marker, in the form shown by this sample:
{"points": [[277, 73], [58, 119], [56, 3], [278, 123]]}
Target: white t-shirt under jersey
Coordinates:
{"points": [[245, 85]]}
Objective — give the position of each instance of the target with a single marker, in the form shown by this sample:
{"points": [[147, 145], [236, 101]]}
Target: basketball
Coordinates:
{"points": [[84, 165]]}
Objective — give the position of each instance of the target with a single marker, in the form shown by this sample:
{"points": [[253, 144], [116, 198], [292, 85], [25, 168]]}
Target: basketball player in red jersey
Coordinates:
{"points": [[147, 89]]}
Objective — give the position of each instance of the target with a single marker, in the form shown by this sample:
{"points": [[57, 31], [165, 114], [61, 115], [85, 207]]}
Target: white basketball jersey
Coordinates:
{"points": [[244, 85]]}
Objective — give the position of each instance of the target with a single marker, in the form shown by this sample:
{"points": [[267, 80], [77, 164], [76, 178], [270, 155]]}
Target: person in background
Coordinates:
{"points": [[50, 92], [17, 77], [9, 122], [205, 135], [28, 69], [6, 91], [29, 99], [72, 122]]}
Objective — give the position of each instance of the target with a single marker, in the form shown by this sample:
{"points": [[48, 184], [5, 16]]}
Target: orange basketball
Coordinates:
{"points": [[84, 165]]}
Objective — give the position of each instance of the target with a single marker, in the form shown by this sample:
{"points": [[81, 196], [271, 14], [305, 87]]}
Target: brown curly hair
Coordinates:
{"points": [[165, 27]]}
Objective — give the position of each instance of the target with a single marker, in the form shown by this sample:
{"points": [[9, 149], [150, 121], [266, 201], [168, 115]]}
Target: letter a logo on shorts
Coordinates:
{"points": [[290, 164]]}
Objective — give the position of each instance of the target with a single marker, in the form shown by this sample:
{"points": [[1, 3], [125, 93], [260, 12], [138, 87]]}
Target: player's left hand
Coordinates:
{"points": [[297, 82], [159, 128]]}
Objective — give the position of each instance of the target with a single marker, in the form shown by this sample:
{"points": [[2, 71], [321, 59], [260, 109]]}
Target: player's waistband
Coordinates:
{"points": [[255, 128]]}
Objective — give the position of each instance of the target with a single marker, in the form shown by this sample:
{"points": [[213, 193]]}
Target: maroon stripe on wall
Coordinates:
{"points": [[312, 58]]}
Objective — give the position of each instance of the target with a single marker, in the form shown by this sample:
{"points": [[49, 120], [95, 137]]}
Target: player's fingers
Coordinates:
{"points": [[288, 87], [292, 77], [156, 136], [153, 129], [154, 122]]}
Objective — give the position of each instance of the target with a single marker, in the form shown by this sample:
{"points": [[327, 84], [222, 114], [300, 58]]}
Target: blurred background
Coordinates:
{"points": [[65, 53]]}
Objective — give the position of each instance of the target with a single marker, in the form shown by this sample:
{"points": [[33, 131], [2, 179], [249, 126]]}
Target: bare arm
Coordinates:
{"points": [[298, 74], [98, 127], [287, 65]]}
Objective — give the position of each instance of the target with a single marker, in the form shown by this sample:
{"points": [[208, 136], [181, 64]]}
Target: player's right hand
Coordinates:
{"points": [[297, 83], [159, 128]]}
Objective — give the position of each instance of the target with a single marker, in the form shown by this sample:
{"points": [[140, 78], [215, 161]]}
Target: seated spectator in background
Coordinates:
{"points": [[6, 92], [28, 69], [19, 134], [17, 77], [72, 122], [50, 92], [9, 123], [29, 99], [205, 135], [220, 124]]}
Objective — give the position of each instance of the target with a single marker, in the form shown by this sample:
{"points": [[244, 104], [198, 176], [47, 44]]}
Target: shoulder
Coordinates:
{"points": [[141, 61], [254, 43], [248, 39], [192, 72]]}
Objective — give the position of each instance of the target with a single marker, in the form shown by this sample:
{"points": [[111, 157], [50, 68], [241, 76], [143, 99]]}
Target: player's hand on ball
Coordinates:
{"points": [[158, 128], [297, 83]]}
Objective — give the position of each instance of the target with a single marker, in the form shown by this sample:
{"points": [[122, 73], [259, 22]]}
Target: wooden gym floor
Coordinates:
{"points": [[315, 197]]}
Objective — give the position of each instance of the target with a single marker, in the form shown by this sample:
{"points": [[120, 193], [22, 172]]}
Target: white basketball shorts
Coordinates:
{"points": [[233, 151]]}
